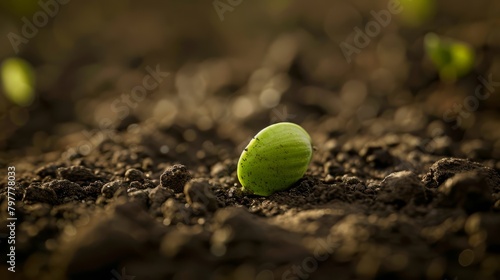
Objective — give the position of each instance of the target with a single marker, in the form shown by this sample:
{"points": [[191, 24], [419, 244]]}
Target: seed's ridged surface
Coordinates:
{"points": [[274, 159]]}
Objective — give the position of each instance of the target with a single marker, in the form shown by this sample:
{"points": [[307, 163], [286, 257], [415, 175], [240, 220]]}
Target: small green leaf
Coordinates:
{"points": [[452, 58]]}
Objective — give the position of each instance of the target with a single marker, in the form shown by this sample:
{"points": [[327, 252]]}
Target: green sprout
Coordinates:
{"points": [[18, 79], [276, 158], [452, 58]]}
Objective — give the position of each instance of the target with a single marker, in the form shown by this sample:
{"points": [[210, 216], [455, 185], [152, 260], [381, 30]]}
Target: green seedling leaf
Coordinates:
{"points": [[452, 58]]}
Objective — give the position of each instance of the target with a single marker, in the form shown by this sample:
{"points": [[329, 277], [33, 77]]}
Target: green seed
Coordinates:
{"points": [[276, 158]]}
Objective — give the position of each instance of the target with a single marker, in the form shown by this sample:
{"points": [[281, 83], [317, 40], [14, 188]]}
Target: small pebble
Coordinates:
{"points": [[134, 175], [109, 189]]}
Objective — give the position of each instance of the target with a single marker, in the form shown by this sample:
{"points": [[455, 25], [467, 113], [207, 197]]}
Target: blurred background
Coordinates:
{"points": [[70, 69]]}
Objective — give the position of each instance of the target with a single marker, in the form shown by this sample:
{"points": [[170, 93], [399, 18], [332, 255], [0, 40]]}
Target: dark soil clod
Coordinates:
{"points": [[175, 177], [109, 189], [402, 186], [446, 168], [158, 196], [198, 191], [134, 175], [468, 190], [66, 189], [39, 194], [77, 174]]}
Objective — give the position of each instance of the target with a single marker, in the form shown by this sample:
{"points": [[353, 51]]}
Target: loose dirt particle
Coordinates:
{"points": [[175, 177]]}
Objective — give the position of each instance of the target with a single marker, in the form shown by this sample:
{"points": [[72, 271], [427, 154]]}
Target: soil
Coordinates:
{"points": [[394, 191]]}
